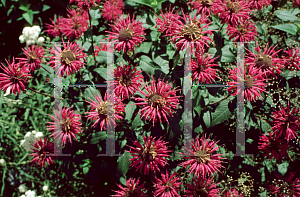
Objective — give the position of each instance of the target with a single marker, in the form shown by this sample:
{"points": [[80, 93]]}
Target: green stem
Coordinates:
{"points": [[42, 93], [91, 27]]}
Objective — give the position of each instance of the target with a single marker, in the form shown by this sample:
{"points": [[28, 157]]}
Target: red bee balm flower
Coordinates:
{"points": [[202, 68], [168, 186], [133, 189], [103, 47], [149, 155], [274, 145], [200, 157], [128, 33], [70, 58], [202, 187], [159, 101], [292, 59], [243, 32], [287, 188], [232, 193], [266, 62], [166, 20], [128, 81], [65, 125], [193, 32], [202, 6], [54, 29], [102, 111], [111, 10], [254, 85], [15, 76], [34, 55], [85, 4], [286, 122], [259, 4], [231, 11], [40, 151]]}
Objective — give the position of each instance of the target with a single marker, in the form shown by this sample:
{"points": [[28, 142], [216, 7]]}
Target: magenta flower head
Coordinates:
{"points": [[203, 7], [200, 157], [286, 122], [106, 111], [232, 193], [103, 47], [242, 32], [266, 62], [168, 186], [66, 124], [192, 30], [112, 10], [231, 11], [292, 59], [85, 4], [297, 3], [54, 28], [274, 145], [259, 4], [202, 68], [202, 186], [150, 155], [165, 21], [253, 81], [132, 189], [71, 58], [42, 151], [34, 55], [127, 81], [14, 76], [127, 32], [160, 101], [287, 187]]}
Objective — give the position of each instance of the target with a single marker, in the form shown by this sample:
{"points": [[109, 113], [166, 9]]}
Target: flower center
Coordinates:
{"points": [[233, 7], [102, 109], [202, 156], [206, 3], [191, 32], [149, 154], [125, 35], [125, 80], [202, 67], [263, 61], [243, 30], [156, 100], [200, 192], [65, 126], [31, 57], [67, 56], [248, 82], [14, 79], [131, 194]]}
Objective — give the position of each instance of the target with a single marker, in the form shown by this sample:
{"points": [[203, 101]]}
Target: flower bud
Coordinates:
{"points": [[45, 188], [22, 188], [41, 40], [2, 162], [38, 135], [22, 39]]}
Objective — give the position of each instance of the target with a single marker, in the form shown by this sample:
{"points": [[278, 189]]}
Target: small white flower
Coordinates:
{"points": [[2, 162], [22, 188], [22, 39], [41, 40], [25, 31], [45, 188], [30, 193], [36, 28], [38, 135], [29, 42], [7, 91], [33, 132], [29, 136], [22, 143], [23, 195]]}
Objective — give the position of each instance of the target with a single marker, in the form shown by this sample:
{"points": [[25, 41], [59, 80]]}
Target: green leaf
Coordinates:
{"points": [[146, 64], [265, 127], [288, 74], [137, 122], [227, 56], [124, 142], [154, 35], [207, 119], [102, 72], [144, 47], [129, 109], [123, 181], [124, 162], [286, 15], [46, 7], [164, 64], [261, 28], [85, 170], [25, 7], [3, 2], [97, 137], [282, 168], [89, 92], [221, 114], [94, 16], [28, 16], [288, 28], [295, 11]]}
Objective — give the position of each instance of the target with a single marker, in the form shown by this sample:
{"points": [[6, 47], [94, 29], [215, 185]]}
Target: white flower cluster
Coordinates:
{"points": [[30, 138], [29, 193], [30, 35]]}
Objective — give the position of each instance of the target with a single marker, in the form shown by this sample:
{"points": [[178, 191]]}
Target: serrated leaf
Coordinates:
{"points": [[288, 28], [129, 109], [286, 15], [97, 137], [282, 168], [124, 162], [221, 113]]}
